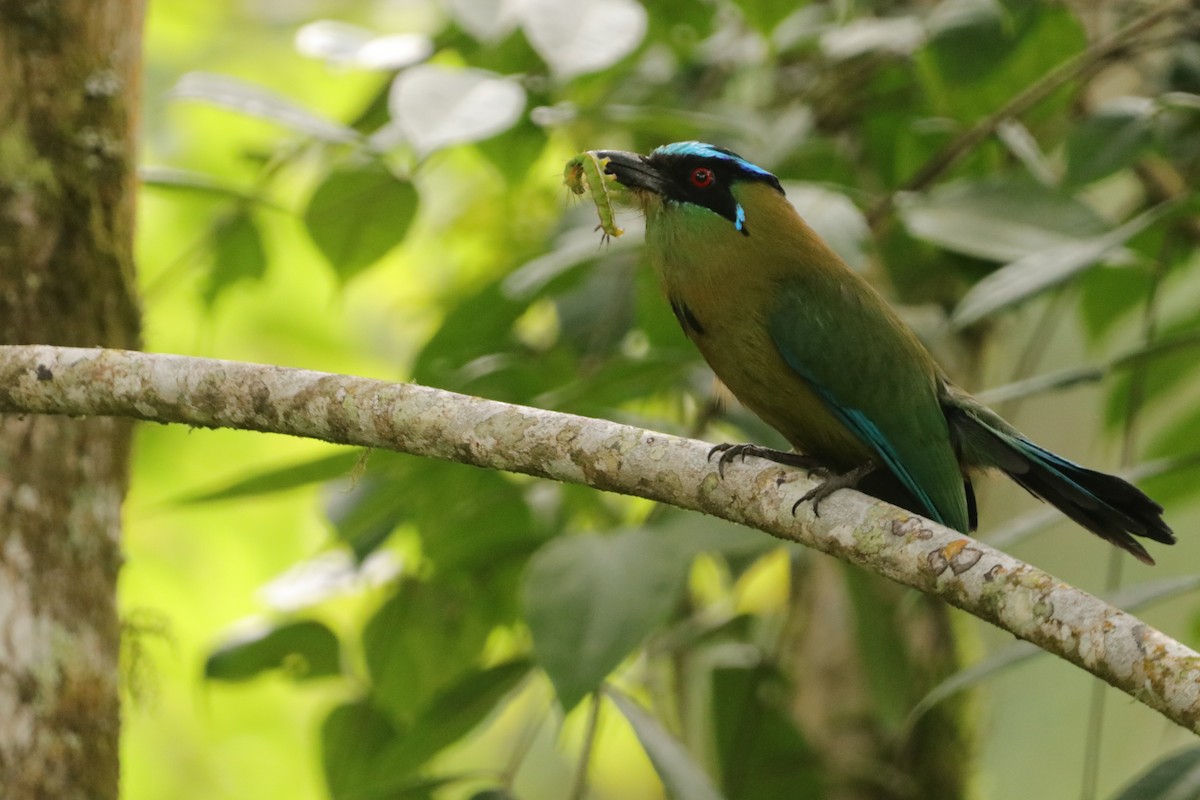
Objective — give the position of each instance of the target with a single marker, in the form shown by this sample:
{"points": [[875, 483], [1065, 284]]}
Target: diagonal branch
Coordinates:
{"points": [[1033, 605], [1080, 67]]}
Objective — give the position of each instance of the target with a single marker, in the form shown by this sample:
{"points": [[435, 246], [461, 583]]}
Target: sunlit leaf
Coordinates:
{"points": [[435, 106], [486, 20], [589, 600], [1022, 144], [579, 36], [358, 214], [679, 771], [1037, 272], [238, 254], [257, 101], [341, 44], [305, 649], [899, 35]]}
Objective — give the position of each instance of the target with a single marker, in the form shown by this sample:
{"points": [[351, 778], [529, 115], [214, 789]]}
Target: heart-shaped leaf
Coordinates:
{"points": [[589, 600], [358, 214], [434, 106], [579, 36]]}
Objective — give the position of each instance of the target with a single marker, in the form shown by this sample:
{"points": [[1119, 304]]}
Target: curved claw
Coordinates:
{"points": [[847, 480], [731, 451], [728, 453]]}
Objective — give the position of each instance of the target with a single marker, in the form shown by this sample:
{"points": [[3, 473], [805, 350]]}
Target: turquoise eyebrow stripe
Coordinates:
{"points": [[705, 150]]}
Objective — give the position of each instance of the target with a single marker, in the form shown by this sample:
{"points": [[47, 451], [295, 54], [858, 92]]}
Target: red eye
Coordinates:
{"points": [[703, 177]]}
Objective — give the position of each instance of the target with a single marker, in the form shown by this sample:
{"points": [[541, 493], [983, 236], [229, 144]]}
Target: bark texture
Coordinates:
{"points": [[1150, 666], [68, 93]]}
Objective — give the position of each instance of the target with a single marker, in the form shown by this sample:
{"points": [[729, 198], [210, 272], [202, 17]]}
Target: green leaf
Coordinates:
{"points": [[1176, 777], [680, 774], [595, 315], [1161, 380], [1038, 272], [982, 52], [453, 713], [1109, 140], [176, 179], [764, 15], [280, 479], [968, 39], [762, 754], [256, 101], [238, 254], [420, 641], [882, 648], [999, 219], [351, 737], [516, 151], [358, 214], [471, 520], [304, 649], [590, 599], [1108, 295], [364, 515]]}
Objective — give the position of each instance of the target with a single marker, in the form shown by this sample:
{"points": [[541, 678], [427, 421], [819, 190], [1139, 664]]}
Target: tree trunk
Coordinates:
{"points": [[69, 89], [861, 652]]}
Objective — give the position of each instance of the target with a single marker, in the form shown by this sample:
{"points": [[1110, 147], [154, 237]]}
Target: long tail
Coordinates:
{"points": [[1106, 505]]}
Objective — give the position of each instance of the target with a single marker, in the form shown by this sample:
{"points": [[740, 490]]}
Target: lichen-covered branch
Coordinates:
{"points": [[1113, 645]]}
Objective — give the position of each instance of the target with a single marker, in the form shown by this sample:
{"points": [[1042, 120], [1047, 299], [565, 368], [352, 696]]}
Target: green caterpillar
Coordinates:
{"points": [[587, 168]]}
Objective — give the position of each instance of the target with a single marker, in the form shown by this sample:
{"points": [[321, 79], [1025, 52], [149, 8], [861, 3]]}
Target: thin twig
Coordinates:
{"points": [[1078, 67]]}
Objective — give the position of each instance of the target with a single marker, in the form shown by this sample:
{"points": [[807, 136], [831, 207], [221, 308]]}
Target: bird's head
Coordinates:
{"points": [[700, 180]]}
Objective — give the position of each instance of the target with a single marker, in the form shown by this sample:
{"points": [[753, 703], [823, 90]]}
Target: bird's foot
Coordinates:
{"points": [[846, 480], [731, 451]]}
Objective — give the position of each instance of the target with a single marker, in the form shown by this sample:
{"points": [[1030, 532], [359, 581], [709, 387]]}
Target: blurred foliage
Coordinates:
{"points": [[377, 191]]}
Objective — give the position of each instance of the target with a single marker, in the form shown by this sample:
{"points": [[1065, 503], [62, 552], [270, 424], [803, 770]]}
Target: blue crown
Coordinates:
{"points": [[704, 150]]}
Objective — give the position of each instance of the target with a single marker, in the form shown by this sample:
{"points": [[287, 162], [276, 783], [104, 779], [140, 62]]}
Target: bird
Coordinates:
{"points": [[812, 348]]}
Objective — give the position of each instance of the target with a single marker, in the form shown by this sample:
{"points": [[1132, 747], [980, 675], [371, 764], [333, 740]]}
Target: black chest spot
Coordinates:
{"points": [[687, 320]]}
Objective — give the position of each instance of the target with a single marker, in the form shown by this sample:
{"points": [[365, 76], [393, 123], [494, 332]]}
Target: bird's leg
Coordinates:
{"points": [[731, 451], [846, 480]]}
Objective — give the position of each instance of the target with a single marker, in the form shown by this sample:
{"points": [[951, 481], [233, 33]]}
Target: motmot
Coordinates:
{"points": [[812, 348]]}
